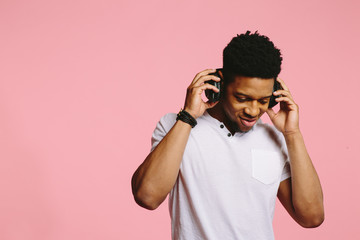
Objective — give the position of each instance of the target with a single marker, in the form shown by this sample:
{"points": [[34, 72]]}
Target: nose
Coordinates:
{"points": [[252, 110]]}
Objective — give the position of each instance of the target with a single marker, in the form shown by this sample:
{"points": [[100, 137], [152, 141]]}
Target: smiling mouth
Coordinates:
{"points": [[248, 122]]}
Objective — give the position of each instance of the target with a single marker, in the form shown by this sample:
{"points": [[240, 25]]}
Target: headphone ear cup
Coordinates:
{"points": [[210, 94], [276, 87]]}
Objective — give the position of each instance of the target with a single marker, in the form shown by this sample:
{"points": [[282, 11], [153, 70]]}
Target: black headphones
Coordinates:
{"points": [[215, 96]]}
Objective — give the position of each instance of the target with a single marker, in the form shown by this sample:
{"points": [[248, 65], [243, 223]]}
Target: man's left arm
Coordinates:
{"points": [[301, 194]]}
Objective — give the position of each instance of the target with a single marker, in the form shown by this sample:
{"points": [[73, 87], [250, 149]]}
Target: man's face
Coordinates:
{"points": [[246, 99]]}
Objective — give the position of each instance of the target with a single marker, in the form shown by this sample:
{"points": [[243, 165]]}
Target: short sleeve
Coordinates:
{"points": [[286, 173], [162, 128]]}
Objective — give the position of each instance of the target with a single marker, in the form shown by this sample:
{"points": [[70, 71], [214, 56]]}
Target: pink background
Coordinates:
{"points": [[83, 83]]}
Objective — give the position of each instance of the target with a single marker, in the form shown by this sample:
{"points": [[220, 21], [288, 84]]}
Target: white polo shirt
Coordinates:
{"points": [[227, 185]]}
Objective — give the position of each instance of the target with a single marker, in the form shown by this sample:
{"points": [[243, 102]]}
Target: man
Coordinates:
{"points": [[221, 166]]}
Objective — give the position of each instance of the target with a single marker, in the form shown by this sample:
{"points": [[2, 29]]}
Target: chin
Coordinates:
{"points": [[242, 128], [245, 130]]}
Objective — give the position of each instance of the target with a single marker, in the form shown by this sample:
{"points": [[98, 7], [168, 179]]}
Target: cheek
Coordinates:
{"points": [[235, 107], [263, 109]]}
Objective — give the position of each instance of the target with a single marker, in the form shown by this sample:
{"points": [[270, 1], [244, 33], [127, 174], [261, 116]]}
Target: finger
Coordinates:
{"points": [[193, 91], [210, 104], [287, 100], [271, 113], [282, 84], [283, 93], [205, 78], [202, 73], [286, 104], [208, 86]]}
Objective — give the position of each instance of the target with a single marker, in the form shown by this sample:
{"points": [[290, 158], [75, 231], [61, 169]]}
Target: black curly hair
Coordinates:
{"points": [[251, 55]]}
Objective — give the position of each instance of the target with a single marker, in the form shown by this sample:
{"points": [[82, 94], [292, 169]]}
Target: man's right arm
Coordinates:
{"points": [[156, 176]]}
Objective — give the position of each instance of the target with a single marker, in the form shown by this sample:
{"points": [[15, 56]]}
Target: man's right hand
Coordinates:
{"points": [[193, 101]]}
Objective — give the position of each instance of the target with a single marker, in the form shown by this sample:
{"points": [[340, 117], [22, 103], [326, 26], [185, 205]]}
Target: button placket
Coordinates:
{"points": [[226, 131]]}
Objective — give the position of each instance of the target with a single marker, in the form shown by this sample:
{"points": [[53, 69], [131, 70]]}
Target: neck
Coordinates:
{"points": [[218, 113]]}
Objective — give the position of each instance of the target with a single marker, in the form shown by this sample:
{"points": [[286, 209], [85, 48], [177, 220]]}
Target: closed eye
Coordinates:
{"points": [[263, 101], [241, 99]]}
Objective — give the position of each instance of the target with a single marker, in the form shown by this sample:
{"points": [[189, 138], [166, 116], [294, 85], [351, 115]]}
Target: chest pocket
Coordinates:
{"points": [[266, 165]]}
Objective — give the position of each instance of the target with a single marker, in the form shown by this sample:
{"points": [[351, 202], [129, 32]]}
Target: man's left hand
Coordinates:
{"points": [[286, 119]]}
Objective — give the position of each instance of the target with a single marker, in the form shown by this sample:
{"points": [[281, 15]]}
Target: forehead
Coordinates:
{"points": [[251, 86]]}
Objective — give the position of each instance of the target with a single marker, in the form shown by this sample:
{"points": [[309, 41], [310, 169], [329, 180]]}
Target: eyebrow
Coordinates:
{"points": [[239, 93]]}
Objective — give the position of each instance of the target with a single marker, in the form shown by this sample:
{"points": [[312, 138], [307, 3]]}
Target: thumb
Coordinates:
{"points": [[270, 112], [210, 104]]}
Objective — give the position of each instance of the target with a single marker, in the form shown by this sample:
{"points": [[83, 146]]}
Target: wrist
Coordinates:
{"points": [[292, 134], [186, 117], [190, 112]]}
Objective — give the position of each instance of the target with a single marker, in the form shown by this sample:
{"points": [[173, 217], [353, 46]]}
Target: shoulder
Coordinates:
{"points": [[267, 128], [166, 122], [269, 132], [163, 126], [168, 118]]}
